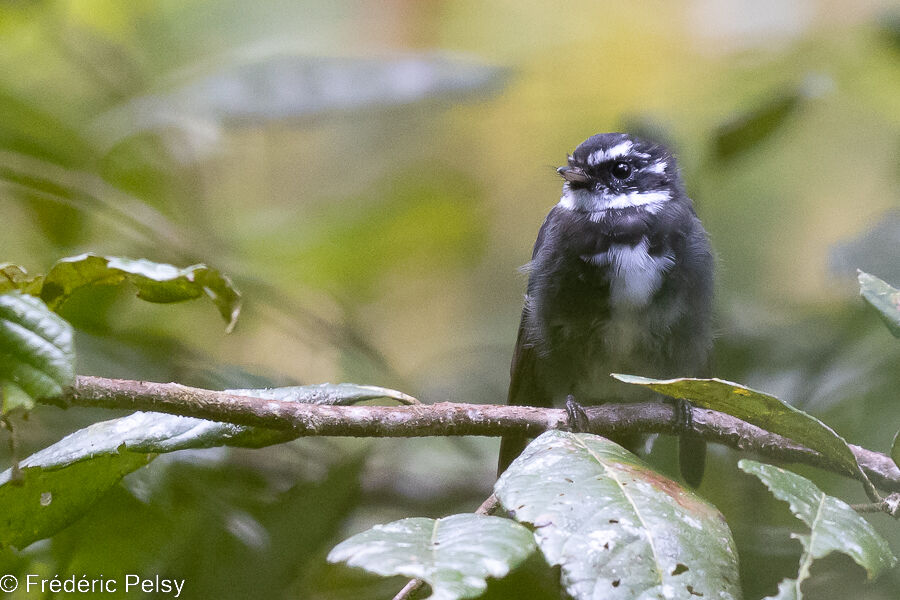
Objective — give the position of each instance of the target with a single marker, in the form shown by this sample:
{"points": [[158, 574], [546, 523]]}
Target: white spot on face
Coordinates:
{"points": [[617, 151], [657, 167], [580, 199]]}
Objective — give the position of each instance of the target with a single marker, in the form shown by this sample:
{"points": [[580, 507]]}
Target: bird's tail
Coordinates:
{"points": [[511, 446], [691, 458]]}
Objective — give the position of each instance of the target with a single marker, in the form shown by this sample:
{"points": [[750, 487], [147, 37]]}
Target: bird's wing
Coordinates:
{"points": [[525, 388]]}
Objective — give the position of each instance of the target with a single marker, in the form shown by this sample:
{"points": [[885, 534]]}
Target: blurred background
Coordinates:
{"points": [[371, 175]]}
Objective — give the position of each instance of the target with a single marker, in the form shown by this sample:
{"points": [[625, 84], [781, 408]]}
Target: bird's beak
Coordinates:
{"points": [[573, 174]]}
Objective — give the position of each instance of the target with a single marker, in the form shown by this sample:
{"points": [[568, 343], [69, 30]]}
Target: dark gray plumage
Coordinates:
{"points": [[621, 280]]}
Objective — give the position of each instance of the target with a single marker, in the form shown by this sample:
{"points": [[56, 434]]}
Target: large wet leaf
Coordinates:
{"points": [[156, 282], [760, 409], [834, 526], [37, 355], [883, 298], [454, 555], [62, 481], [618, 529]]}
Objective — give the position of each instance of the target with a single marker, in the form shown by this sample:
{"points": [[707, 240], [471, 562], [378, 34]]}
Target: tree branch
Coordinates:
{"points": [[452, 419]]}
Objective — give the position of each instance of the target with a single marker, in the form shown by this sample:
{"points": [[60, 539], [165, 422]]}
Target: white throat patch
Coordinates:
{"points": [[634, 275], [599, 202]]}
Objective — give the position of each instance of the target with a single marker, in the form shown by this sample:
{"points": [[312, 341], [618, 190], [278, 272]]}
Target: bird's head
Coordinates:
{"points": [[616, 171]]}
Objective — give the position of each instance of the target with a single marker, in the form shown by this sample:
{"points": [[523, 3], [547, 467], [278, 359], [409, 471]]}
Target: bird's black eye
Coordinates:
{"points": [[621, 170]]}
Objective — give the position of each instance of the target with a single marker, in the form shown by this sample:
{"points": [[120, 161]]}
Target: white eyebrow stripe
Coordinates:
{"points": [[616, 151]]}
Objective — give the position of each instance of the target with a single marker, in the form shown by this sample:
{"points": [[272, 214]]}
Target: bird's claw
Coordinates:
{"points": [[577, 419], [684, 415]]}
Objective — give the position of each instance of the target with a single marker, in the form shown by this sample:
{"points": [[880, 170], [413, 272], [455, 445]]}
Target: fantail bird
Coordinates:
{"points": [[620, 280]]}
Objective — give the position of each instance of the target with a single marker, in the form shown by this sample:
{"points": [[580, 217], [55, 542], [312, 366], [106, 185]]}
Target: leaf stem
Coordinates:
{"points": [[889, 505]]}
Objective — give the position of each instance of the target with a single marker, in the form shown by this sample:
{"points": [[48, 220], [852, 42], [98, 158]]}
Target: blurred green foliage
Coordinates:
{"points": [[375, 233]]}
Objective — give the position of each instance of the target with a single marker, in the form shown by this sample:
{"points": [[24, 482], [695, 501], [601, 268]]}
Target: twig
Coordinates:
{"points": [[409, 589], [454, 419]]}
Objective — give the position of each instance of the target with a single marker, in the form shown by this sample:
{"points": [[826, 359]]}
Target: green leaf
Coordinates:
{"points": [[888, 23], [156, 282], [760, 409], [752, 128], [36, 352], [266, 537], [617, 528], [454, 555], [13, 277], [79, 468], [44, 501], [834, 526], [13, 397], [883, 298], [337, 394]]}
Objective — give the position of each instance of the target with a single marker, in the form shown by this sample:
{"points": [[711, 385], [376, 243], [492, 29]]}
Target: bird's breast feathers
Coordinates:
{"points": [[634, 274]]}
